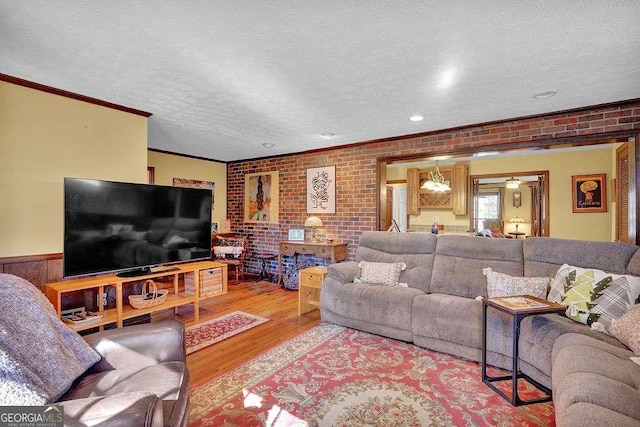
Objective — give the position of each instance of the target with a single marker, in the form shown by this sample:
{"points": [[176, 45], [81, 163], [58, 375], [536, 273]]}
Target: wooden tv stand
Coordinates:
{"points": [[176, 297]]}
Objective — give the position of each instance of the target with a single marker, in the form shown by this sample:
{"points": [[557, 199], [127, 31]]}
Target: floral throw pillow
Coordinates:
{"points": [[592, 295], [503, 285], [381, 273], [627, 329]]}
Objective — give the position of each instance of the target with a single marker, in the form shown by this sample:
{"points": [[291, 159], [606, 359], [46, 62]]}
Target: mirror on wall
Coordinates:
{"points": [[552, 215]]}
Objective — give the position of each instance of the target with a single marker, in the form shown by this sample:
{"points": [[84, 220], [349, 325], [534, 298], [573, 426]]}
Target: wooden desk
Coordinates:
{"points": [[334, 251]]}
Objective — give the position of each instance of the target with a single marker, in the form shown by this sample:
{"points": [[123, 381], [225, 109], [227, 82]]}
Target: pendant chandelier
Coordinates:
{"points": [[513, 183], [436, 181]]}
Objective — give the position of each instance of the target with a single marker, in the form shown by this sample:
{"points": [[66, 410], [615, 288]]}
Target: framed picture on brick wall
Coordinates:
{"points": [[321, 190], [261, 197], [589, 193]]}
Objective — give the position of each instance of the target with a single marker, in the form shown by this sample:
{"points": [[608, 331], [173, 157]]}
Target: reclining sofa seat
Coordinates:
{"points": [[380, 310], [449, 319]]}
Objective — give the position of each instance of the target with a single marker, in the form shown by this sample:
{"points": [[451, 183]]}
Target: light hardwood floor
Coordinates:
{"points": [[262, 299]]}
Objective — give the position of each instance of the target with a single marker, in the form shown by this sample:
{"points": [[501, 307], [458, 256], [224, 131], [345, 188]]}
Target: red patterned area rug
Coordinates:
{"points": [[215, 330], [336, 376]]}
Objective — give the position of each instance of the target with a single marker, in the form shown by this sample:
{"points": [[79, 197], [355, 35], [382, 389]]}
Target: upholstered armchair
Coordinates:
{"points": [[494, 228], [133, 376], [495, 225], [231, 251]]}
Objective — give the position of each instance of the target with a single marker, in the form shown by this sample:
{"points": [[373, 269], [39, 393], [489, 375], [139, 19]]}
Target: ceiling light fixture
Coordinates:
{"points": [[545, 94], [436, 181], [416, 118], [512, 183], [268, 144], [327, 135]]}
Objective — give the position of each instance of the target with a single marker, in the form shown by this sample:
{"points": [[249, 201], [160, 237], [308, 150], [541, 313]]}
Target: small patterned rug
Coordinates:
{"points": [[215, 330], [336, 376]]}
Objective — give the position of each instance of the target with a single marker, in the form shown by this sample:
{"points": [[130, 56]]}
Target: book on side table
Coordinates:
{"points": [[522, 302]]}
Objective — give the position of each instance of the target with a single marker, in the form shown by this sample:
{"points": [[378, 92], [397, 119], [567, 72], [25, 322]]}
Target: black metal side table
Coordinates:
{"points": [[264, 274], [518, 310]]}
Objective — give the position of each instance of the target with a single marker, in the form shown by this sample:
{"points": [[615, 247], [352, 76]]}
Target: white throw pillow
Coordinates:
{"points": [[592, 295], [381, 273], [503, 285]]}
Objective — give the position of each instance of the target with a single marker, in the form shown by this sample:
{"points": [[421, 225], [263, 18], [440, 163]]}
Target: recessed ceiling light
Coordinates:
{"points": [[327, 135], [416, 118], [267, 144], [545, 94]]}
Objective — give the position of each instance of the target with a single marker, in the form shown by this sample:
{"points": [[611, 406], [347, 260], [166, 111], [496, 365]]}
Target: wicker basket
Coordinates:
{"points": [[159, 296]]}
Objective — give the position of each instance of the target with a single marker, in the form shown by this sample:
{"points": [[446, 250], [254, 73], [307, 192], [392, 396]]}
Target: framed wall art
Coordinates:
{"points": [[517, 199], [261, 197], [321, 190], [589, 193]]}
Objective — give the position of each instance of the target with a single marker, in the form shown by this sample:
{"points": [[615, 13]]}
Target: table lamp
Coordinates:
{"points": [[516, 220], [313, 222]]}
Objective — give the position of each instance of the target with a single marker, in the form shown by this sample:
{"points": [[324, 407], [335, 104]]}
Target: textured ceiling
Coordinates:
{"points": [[223, 77]]}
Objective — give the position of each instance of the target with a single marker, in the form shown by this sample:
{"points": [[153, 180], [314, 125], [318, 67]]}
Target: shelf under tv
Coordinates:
{"points": [[176, 298]]}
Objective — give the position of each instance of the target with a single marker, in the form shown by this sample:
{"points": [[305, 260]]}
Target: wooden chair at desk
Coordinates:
{"points": [[231, 251]]}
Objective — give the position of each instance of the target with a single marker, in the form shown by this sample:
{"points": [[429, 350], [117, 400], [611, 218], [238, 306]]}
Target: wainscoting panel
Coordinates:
{"points": [[38, 269]]}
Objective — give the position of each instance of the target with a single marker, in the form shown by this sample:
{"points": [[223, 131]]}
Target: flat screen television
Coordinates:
{"points": [[129, 228]]}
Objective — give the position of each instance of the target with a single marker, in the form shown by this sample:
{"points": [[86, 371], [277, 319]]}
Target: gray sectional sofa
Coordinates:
{"points": [[439, 310]]}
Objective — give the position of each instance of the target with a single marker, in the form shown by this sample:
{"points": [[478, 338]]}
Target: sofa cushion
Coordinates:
{"points": [[414, 249], [503, 285], [381, 273], [627, 329], [592, 295], [377, 305], [544, 255], [459, 261], [448, 323], [587, 371]]}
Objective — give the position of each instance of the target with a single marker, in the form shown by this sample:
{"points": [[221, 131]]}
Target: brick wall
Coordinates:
{"points": [[356, 168]]}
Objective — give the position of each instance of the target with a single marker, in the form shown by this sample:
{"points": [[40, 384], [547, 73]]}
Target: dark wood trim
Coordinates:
{"points": [[72, 95], [151, 175], [543, 144], [30, 258], [173, 153], [396, 181]]}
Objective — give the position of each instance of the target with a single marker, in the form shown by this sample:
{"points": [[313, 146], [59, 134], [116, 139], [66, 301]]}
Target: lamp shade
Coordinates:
{"points": [[313, 222], [517, 221]]}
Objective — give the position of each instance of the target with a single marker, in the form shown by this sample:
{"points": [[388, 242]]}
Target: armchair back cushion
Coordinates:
{"points": [[230, 247]]}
